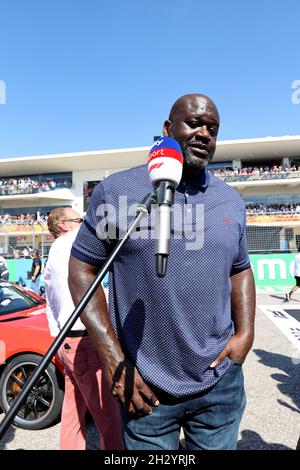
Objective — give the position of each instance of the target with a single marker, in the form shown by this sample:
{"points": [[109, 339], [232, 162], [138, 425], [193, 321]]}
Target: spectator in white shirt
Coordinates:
{"points": [[85, 384]]}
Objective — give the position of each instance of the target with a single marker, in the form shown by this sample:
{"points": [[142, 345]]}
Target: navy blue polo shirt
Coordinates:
{"points": [[173, 327]]}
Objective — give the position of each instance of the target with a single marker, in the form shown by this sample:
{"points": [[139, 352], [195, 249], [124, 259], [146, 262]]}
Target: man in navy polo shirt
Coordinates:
{"points": [[173, 347]]}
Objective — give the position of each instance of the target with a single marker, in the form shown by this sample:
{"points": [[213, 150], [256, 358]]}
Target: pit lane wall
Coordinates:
{"points": [[18, 268], [274, 272]]}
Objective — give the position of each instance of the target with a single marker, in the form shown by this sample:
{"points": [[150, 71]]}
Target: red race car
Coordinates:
{"points": [[24, 338]]}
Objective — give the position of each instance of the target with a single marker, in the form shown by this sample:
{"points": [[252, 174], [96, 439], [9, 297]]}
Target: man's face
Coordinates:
{"points": [[194, 123]]}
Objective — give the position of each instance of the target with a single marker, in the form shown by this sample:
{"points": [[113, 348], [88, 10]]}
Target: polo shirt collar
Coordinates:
{"points": [[201, 183]]}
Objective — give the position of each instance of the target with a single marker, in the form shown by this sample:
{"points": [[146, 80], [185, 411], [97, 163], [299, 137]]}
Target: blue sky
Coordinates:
{"points": [[90, 74]]}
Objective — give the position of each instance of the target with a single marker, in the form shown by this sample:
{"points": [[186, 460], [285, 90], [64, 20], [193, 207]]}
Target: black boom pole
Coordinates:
{"points": [[142, 210]]}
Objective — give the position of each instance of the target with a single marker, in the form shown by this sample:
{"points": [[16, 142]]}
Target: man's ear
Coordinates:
{"points": [[62, 227], [167, 128]]}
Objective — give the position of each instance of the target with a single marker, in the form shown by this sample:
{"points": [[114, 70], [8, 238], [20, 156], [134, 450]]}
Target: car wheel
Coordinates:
{"points": [[43, 404]]}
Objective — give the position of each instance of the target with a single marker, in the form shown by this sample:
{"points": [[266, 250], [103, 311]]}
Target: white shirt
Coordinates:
{"points": [[297, 265], [59, 301]]}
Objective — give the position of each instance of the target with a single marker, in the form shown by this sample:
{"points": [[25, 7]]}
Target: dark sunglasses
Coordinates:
{"points": [[78, 220]]}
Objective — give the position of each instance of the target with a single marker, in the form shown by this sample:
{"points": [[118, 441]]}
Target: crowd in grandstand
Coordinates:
{"points": [[23, 219], [30, 185], [262, 170]]}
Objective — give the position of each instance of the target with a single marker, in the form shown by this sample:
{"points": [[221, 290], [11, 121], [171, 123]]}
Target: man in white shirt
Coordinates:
{"points": [[288, 296], [85, 384]]}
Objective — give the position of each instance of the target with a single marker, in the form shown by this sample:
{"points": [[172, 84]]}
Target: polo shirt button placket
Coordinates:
{"points": [[186, 197]]}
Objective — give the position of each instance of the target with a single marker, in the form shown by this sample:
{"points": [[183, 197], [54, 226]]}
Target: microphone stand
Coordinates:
{"points": [[143, 209]]}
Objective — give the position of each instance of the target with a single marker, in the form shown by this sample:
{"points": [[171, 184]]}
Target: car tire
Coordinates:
{"points": [[44, 403]]}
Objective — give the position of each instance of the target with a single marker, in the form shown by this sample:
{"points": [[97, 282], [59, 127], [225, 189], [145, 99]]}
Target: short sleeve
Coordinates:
{"points": [[242, 260]]}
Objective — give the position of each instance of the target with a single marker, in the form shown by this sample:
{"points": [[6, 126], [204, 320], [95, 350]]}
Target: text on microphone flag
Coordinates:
{"points": [[165, 153], [166, 142]]}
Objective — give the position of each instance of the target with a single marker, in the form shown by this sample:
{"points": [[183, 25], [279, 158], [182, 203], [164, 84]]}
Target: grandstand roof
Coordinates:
{"points": [[245, 149], [256, 149], [62, 194]]}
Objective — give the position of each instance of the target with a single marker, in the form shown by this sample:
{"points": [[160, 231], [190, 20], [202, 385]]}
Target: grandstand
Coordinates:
{"points": [[265, 171]]}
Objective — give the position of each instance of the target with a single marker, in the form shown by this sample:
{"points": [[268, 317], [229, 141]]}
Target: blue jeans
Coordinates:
{"points": [[210, 419], [35, 284]]}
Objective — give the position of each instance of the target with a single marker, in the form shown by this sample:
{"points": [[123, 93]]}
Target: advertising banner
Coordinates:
{"points": [[14, 228], [274, 272], [265, 219]]}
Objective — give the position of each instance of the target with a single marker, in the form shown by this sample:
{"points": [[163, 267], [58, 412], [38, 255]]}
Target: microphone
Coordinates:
{"points": [[165, 162]]}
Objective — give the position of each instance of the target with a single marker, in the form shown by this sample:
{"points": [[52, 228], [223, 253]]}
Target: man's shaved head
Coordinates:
{"points": [[204, 103]]}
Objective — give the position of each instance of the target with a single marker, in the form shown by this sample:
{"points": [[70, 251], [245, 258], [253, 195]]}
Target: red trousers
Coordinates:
{"points": [[87, 389]]}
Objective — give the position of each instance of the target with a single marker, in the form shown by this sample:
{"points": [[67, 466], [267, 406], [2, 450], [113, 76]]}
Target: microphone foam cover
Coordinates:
{"points": [[165, 161]]}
